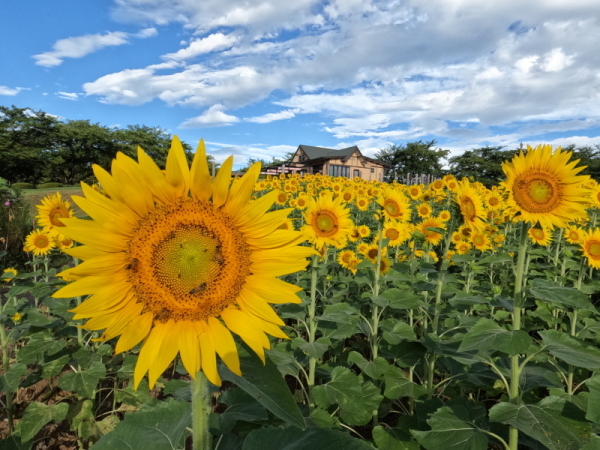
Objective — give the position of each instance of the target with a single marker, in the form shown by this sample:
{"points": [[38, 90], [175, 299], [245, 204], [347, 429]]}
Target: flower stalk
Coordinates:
{"points": [[201, 408]]}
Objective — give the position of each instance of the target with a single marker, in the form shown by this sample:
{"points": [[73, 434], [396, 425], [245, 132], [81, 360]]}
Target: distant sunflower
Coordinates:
{"points": [[415, 191], [444, 215], [354, 235], [364, 231], [177, 262], [362, 203], [395, 205], [590, 245], [480, 241], [471, 205], [372, 250], [462, 248], [327, 222], [424, 210], [574, 234], [9, 273], [544, 187], [39, 242], [344, 258], [431, 236], [50, 212], [395, 232], [347, 196], [540, 236]]}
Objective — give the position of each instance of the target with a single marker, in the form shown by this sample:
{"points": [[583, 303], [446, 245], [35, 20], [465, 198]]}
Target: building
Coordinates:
{"points": [[347, 162]]}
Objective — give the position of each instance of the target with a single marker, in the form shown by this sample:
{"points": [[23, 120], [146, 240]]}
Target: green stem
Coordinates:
{"points": [[573, 333], [516, 316], [376, 276], [201, 408], [5, 367], [312, 326]]}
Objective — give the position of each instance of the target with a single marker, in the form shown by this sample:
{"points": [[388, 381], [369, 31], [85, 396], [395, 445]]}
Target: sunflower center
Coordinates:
{"points": [[187, 261], [392, 208], [537, 233], [537, 192], [326, 223], [392, 234], [372, 253], [478, 240], [593, 248], [467, 207], [41, 241], [56, 214], [493, 201]]}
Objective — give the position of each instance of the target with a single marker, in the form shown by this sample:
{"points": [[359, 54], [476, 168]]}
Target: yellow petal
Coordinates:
{"points": [[224, 345], [157, 181], [201, 182], [107, 264], [238, 322], [84, 252], [189, 347], [92, 285], [148, 353], [256, 305], [241, 191], [90, 233], [177, 170], [273, 290], [254, 210], [169, 347], [222, 182], [135, 332], [209, 358]]}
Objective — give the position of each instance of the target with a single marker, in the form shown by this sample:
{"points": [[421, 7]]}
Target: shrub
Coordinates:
{"points": [[49, 185], [19, 186], [14, 225]]}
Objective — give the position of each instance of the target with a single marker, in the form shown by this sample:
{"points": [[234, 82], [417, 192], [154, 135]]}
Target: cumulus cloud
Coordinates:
{"points": [[272, 117], [212, 117], [68, 95], [80, 46], [242, 153], [214, 42], [5, 90]]}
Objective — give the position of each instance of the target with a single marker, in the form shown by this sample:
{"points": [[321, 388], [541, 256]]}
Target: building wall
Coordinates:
{"points": [[354, 164]]}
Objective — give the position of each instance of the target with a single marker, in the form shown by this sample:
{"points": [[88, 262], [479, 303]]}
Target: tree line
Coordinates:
{"points": [[36, 147], [480, 164]]}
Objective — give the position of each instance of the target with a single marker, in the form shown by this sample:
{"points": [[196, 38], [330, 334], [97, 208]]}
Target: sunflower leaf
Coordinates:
{"points": [[292, 438]]}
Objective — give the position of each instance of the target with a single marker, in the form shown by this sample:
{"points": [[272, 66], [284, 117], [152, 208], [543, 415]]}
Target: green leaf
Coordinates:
{"points": [[9, 381], [267, 385], [292, 438], [402, 298], [84, 382], [14, 443], [356, 399], [488, 335], [398, 386], [571, 350], [496, 258], [542, 424], [560, 295], [38, 345], [133, 397], [463, 300], [322, 418], [161, 425], [84, 422], [54, 367], [37, 415], [314, 349], [393, 439], [240, 406], [338, 312], [593, 409], [374, 369], [395, 330], [449, 432]]}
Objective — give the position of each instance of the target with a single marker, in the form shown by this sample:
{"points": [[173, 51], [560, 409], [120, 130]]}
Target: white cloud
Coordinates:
{"points": [[80, 46], [4, 90], [271, 117], [214, 42], [212, 117], [242, 153], [68, 95]]}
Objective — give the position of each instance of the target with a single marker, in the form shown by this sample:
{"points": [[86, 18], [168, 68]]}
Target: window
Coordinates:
{"points": [[357, 173], [372, 170], [339, 171], [303, 158]]}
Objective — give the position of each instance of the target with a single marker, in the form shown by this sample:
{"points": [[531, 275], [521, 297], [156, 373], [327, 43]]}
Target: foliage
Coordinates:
{"points": [[481, 164], [49, 185], [14, 224], [420, 157], [21, 186]]}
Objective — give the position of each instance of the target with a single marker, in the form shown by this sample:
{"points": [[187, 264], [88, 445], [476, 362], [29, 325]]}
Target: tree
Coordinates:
{"points": [[588, 156], [412, 158], [26, 136], [481, 164]]}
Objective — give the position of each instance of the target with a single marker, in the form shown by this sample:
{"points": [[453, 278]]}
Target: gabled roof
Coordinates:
{"points": [[327, 153]]}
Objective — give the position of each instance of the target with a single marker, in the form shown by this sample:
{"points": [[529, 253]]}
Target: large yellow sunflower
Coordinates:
{"points": [[50, 212], [590, 245], [471, 204], [327, 222], [395, 205], [544, 187], [177, 261], [39, 242]]}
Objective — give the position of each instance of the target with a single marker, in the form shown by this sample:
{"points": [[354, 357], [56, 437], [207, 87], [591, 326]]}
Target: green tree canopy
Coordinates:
{"points": [[481, 164], [419, 157]]}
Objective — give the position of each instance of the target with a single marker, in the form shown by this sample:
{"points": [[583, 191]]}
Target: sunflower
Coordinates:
{"points": [[354, 235], [52, 209], [437, 185], [471, 205], [544, 187], [39, 242], [462, 248], [424, 210], [396, 232], [540, 235], [347, 196], [177, 262], [9, 273], [372, 250], [415, 192], [574, 234], [352, 264], [364, 231], [362, 203], [444, 215], [480, 241], [344, 258], [493, 201], [281, 198], [385, 265], [395, 205], [302, 201], [327, 222], [595, 195], [431, 236], [590, 246]]}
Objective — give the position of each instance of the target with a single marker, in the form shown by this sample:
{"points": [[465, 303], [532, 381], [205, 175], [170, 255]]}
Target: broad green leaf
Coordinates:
{"points": [[541, 424], [85, 381], [571, 350], [374, 369], [462, 300], [487, 335], [240, 406], [292, 438], [356, 399], [395, 330], [398, 386], [496, 258], [314, 349], [14, 443], [402, 298], [84, 422], [37, 415], [393, 439], [449, 432], [130, 396], [267, 385], [593, 409], [158, 426], [322, 418], [9, 381], [560, 295], [338, 312], [535, 376], [40, 344], [54, 367]]}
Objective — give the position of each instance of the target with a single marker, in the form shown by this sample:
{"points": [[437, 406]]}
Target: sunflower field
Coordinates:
{"points": [[306, 312]]}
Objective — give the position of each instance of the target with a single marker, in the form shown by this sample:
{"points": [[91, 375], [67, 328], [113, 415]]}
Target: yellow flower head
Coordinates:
{"points": [[176, 261], [395, 205], [16, 317], [540, 235], [470, 203], [544, 187], [590, 245], [372, 250], [431, 236], [396, 232], [10, 273], [39, 242], [52, 209], [327, 222], [480, 241], [574, 234], [424, 210]]}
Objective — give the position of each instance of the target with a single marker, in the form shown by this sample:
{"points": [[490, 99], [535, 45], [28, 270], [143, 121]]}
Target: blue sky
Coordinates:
{"points": [[258, 78]]}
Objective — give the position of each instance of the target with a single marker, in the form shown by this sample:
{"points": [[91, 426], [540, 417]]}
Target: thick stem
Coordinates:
{"points": [[513, 433], [377, 275], [201, 408], [5, 367], [312, 326]]}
